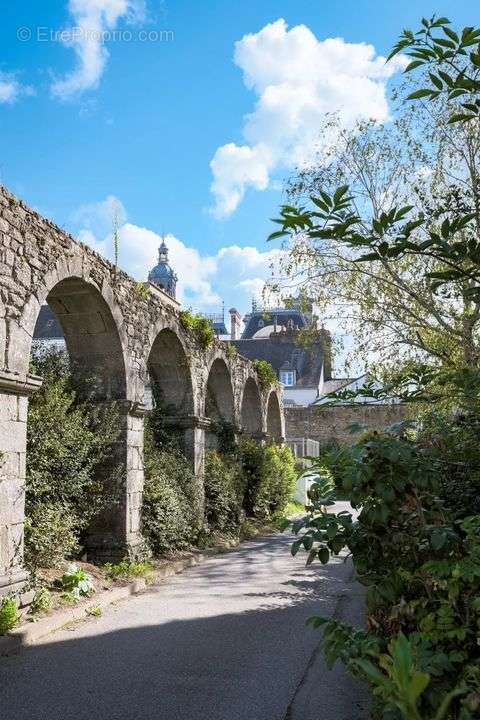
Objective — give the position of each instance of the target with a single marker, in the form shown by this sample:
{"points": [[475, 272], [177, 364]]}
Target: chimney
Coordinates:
{"points": [[235, 320]]}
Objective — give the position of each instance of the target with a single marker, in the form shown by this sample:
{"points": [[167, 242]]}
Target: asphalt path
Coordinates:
{"points": [[225, 640]]}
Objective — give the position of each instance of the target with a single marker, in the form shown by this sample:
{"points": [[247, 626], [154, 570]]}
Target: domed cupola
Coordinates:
{"points": [[162, 274]]}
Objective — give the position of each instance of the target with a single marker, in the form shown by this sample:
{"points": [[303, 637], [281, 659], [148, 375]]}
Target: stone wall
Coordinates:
{"points": [[118, 333], [331, 423]]}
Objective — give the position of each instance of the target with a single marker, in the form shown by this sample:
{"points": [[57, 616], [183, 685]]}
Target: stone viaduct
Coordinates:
{"points": [[120, 335]]}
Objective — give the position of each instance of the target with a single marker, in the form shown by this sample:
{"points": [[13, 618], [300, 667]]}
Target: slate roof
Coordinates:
{"points": [[286, 355]]}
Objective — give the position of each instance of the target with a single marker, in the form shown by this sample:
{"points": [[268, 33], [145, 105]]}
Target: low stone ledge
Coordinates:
{"points": [[29, 632]]}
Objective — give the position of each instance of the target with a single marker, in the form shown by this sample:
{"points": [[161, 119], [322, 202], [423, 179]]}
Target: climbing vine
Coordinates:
{"points": [[200, 327], [266, 374]]}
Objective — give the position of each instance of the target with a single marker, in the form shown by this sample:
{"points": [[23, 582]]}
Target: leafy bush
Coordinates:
{"points": [[9, 615], [224, 490], [278, 481], [455, 441], [51, 534], [42, 601], [428, 592], [199, 326], [266, 374], [168, 514], [64, 491], [77, 582], [270, 478]]}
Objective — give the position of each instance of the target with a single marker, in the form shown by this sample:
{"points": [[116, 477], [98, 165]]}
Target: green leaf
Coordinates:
{"points": [[323, 555], [451, 34], [296, 547], [446, 78], [444, 43], [418, 683], [339, 193], [419, 94], [436, 81], [414, 64], [277, 234], [438, 540], [460, 117]]}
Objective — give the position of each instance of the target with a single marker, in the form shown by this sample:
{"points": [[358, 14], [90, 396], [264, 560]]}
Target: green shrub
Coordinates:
{"points": [[270, 478], [51, 535], [278, 480], [9, 615], [69, 448], [455, 441], [427, 593], [224, 490], [77, 582], [42, 601], [267, 375], [200, 327], [168, 515]]}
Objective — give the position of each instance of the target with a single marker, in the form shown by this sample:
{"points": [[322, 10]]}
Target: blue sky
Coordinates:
{"points": [[134, 123]]}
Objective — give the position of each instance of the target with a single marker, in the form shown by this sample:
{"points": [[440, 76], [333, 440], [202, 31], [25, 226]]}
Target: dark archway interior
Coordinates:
{"points": [[219, 407], [219, 404], [170, 375], [251, 408], [274, 417], [91, 338]]}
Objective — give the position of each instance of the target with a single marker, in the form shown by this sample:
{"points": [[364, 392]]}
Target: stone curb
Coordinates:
{"points": [[28, 634]]}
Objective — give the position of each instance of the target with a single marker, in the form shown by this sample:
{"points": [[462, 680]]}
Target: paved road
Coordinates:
{"points": [[226, 640]]}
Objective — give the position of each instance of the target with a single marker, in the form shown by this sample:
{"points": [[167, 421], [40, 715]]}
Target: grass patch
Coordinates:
{"points": [[127, 570]]}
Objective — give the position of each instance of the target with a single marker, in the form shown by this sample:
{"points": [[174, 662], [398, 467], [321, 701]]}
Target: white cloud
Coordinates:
{"points": [[99, 217], [11, 90], [297, 79], [234, 274], [91, 21]]}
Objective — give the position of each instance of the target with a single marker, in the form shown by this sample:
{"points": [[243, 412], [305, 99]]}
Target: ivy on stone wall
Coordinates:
{"points": [[200, 327], [266, 374]]}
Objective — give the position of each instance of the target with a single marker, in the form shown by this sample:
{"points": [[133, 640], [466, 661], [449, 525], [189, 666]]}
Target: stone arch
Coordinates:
{"points": [[92, 338], [91, 321], [251, 408], [275, 428], [219, 400], [170, 373], [95, 342]]}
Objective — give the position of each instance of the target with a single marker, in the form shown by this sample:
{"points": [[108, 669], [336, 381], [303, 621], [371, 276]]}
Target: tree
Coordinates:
{"points": [[369, 242]]}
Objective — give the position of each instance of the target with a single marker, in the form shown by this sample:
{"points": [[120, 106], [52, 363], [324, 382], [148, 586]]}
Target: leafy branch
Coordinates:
{"points": [[459, 53]]}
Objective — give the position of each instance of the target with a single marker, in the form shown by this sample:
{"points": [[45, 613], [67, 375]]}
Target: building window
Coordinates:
{"points": [[287, 377]]}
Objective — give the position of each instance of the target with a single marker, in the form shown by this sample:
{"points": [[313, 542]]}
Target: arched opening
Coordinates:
{"points": [[274, 418], [219, 404], [80, 445], [251, 408], [169, 372], [91, 338]]}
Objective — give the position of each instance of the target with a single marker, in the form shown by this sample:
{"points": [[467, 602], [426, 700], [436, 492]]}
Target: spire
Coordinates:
{"points": [[163, 251], [163, 275]]}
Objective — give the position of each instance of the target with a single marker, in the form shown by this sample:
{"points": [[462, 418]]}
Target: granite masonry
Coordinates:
{"points": [[118, 333], [326, 424]]}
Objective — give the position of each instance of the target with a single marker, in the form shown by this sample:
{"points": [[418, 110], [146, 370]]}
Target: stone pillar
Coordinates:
{"points": [[116, 532], [14, 393], [194, 427]]}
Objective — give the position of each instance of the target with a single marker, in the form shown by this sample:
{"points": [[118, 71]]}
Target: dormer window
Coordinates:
{"points": [[287, 377]]}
